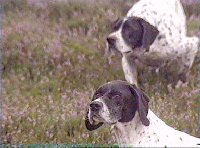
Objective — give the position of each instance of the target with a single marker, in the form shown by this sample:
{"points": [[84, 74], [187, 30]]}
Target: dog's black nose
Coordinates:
{"points": [[111, 41], [96, 106]]}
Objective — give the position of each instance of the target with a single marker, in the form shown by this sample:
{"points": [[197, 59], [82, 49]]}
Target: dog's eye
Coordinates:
{"points": [[117, 99], [116, 96]]}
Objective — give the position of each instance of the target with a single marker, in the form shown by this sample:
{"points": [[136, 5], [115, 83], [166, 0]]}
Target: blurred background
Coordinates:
{"points": [[54, 60]]}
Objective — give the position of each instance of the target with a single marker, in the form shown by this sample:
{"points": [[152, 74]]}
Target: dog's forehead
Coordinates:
{"points": [[117, 86], [131, 20], [120, 23]]}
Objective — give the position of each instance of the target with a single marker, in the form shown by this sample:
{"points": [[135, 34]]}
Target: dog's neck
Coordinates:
{"points": [[134, 131]]}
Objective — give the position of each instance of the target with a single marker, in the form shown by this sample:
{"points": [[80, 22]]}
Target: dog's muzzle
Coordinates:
{"points": [[111, 49], [95, 108], [111, 42]]}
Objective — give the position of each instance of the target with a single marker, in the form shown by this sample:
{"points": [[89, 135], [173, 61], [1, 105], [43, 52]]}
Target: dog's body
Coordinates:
{"points": [[156, 134], [162, 38], [125, 107]]}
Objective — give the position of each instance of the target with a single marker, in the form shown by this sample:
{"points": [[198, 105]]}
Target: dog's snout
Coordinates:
{"points": [[111, 41], [96, 106]]}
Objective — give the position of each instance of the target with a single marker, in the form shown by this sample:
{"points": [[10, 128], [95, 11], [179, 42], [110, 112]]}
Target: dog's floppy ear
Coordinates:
{"points": [[149, 34], [142, 104], [90, 126]]}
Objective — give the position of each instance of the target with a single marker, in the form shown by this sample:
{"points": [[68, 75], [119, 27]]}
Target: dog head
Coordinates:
{"points": [[116, 101], [131, 33]]}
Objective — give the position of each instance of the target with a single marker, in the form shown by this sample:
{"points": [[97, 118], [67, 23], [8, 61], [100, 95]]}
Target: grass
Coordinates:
{"points": [[54, 60]]}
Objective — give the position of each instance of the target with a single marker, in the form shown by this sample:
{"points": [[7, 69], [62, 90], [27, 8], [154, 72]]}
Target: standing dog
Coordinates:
{"points": [[154, 33], [126, 108]]}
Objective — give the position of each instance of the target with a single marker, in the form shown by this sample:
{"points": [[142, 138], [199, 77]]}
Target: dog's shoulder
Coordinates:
{"points": [[168, 136]]}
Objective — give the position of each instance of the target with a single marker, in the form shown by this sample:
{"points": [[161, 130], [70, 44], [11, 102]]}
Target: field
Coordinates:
{"points": [[54, 59]]}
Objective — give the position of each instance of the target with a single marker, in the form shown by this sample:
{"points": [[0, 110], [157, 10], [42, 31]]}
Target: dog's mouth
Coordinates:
{"points": [[112, 123], [110, 52], [94, 118], [127, 52], [111, 49], [97, 119], [111, 46]]}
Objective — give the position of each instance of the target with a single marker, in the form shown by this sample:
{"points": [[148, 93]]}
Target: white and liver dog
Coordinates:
{"points": [[156, 28], [125, 107]]}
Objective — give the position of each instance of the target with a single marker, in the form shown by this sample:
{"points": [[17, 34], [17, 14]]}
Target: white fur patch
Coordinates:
{"points": [[129, 70], [156, 134], [104, 112]]}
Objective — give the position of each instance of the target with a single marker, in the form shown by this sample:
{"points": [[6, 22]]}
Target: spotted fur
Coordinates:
{"points": [[172, 42], [157, 134]]}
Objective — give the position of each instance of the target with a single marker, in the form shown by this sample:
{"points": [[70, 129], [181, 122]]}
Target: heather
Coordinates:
{"points": [[54, 59]]}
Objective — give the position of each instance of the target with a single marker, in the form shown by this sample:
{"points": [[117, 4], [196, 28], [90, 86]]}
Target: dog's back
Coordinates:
{"points": [[169, 18]]}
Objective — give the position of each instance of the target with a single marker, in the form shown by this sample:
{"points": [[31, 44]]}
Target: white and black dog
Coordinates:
{"points": [[126, 108], [153, 33]]}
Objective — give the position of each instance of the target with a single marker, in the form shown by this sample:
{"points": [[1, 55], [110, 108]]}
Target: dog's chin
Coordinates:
{"points": [[95, 120], [111, 121], [110, 53], [98, 119]]}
